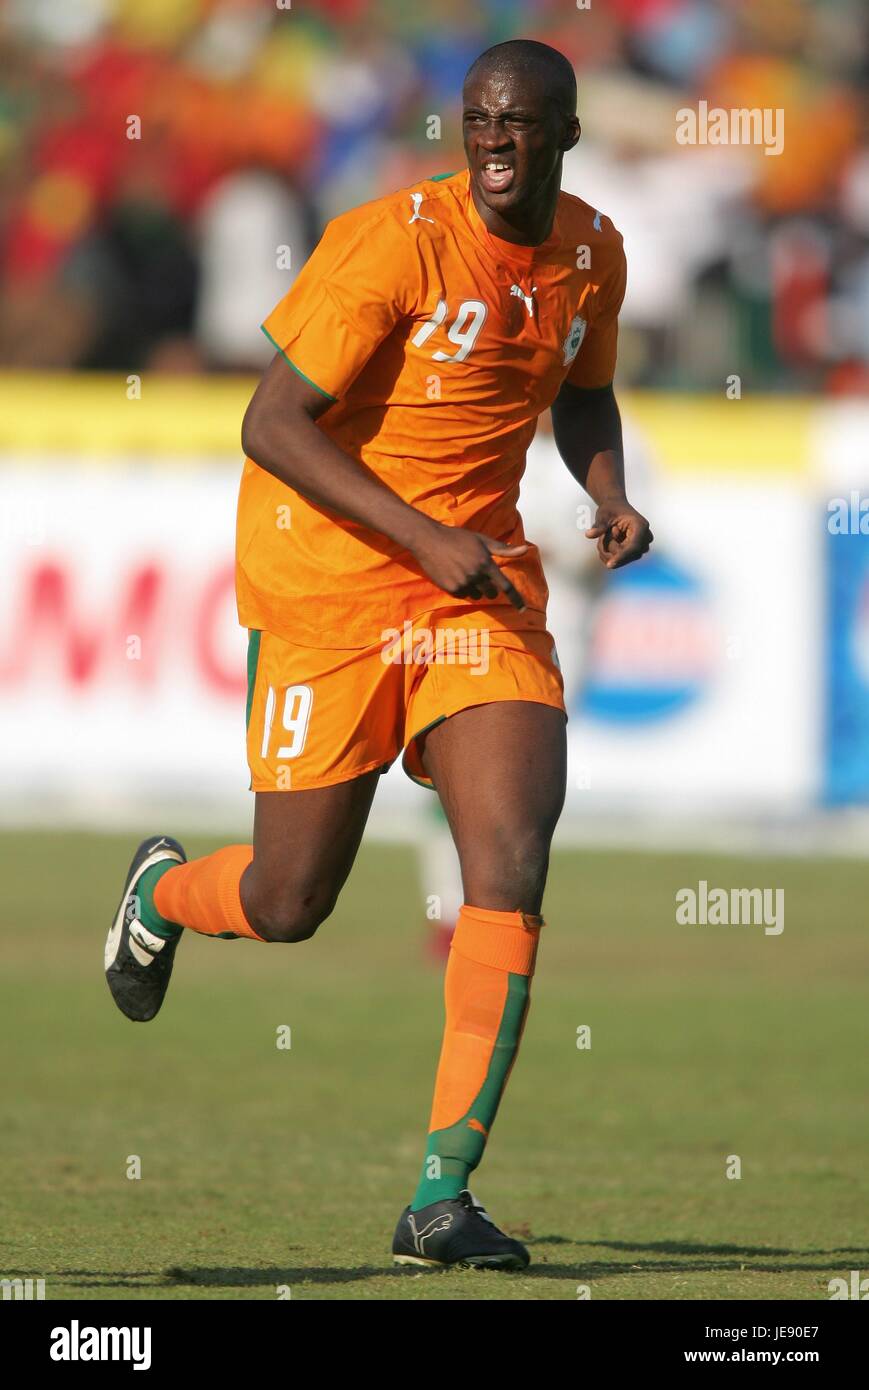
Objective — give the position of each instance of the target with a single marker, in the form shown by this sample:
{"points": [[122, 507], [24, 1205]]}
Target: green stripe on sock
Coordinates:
{"points": [[453, 1154], [148, 914]]}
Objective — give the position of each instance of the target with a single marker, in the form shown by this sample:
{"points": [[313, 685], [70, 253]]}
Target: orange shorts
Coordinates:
{"points": [[319, 716]]}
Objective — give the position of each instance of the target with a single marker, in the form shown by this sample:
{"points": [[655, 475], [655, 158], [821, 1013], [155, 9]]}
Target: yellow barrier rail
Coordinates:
{"points": [[200, 418]]}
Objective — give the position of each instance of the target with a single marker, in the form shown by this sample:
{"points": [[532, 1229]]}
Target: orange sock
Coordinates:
{"points": [[204, 894], [487, 991]]}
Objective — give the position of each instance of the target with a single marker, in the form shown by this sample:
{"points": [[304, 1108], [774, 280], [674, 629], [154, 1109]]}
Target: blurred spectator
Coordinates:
{"points": [[155, 158], [253, 242]]}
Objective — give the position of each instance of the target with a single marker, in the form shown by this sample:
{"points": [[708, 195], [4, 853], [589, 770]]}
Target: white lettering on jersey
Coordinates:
{"points": [[423, 334], [462, 332], [465, 331]]}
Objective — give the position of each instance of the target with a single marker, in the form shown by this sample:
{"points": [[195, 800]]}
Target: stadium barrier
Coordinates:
{"points": [[727, 674]]}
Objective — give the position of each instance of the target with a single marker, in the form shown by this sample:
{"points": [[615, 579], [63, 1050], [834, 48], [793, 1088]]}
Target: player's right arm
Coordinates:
{"points": [[280, 434], [349, 297]]}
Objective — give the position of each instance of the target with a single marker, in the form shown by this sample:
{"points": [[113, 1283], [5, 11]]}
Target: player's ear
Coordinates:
{"points": [[572, 134]]}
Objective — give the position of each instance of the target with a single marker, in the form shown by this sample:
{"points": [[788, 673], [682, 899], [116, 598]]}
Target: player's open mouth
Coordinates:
{"points": [[496, 176]]}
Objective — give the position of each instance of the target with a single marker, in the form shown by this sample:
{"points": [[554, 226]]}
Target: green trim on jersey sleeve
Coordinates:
{"points": [[289, 361], [437, 178]]}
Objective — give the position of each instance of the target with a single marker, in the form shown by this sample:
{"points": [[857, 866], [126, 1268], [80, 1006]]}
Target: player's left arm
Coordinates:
{"points": [[587, 424], [588, 433]]}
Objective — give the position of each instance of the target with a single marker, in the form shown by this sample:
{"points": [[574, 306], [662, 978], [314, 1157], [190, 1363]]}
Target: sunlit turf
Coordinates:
{"points": [[263, 1167]]}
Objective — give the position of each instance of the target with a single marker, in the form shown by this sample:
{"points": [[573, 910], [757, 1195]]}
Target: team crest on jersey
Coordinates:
{"points": [[573, 341]]}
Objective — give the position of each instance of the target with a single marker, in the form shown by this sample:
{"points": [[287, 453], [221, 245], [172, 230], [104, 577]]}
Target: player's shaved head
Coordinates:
{"points": [[519, 121], [528, 58]]}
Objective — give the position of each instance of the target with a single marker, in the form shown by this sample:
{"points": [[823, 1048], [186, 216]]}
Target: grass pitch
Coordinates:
{"points": [[263, 1167]]}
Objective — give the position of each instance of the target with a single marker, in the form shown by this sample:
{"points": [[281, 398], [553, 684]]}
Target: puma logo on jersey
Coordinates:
{"points": [[417, 199], [526, 298], [437, 1223]]}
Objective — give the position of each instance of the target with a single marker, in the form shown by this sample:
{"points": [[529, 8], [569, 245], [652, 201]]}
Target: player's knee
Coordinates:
{"points": [[512, 872], [527, 878], [280, 919]]}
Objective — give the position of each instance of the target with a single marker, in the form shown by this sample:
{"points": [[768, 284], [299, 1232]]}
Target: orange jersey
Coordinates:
{"points": [[440, 345]]}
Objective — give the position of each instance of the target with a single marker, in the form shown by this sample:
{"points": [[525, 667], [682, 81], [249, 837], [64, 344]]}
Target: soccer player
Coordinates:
{"points": [[392, 600]]}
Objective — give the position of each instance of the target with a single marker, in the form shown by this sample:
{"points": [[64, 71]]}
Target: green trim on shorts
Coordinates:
{"points": [[253, 646], [426, 786], [297, 370], [429, 786]]}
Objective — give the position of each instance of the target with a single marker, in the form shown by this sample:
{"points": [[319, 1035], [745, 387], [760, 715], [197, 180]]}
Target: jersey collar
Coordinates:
{"points": [[503, 250]]}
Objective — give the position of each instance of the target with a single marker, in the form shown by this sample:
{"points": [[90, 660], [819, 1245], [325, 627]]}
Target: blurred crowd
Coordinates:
{"points": [[166, 165]]}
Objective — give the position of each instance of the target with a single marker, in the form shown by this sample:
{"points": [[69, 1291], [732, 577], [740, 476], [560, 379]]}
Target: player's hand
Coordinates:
{"points": [[461, 562], [622, 534]]}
